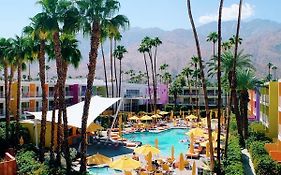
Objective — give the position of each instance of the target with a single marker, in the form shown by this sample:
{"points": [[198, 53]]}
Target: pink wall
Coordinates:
{"points": [[162, 94]]}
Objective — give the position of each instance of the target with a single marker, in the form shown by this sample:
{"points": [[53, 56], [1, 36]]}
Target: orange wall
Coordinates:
{"points": [[32, 90], [32, 105]]}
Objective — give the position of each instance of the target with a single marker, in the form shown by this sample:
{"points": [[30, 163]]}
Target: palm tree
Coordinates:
{"points": [[269, 66], [5, 60], [177, 87], [234, 79], [95, 14], [143, 49], [37, 31], [187, 72], [274, 68], [119, 54], [18, 50], [62, 16], [219, 86], [213, 37], [155, 43], [246, 80], [163, 69], [203, 83], [102, 40], [195, 75]]}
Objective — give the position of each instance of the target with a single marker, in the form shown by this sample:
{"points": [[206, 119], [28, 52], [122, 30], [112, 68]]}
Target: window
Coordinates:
{"points": [[132, 93]]}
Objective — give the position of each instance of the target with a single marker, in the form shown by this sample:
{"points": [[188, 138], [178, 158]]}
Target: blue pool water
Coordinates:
{"points": [[165, 140], [102, 171]]}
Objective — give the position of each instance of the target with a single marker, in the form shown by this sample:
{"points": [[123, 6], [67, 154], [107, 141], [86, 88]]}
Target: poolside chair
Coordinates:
{"points": [[158, 174]]}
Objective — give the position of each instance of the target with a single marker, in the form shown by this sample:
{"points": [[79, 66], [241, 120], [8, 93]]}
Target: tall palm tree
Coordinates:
{"points": [[187, 72], [38, 32], [143, 48], [119, 54], [155, 43], [196, 72], [202, 76], [18, 50], [219, 86], [213, 37], [269, 66], [102, 40], [234, 79], [5, 60], [226, 45], [163, 69], [246, 80], [95, 15], [62, 16]]}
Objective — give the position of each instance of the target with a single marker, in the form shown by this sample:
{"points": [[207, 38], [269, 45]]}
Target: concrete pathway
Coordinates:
{"points": [[247, 163]]}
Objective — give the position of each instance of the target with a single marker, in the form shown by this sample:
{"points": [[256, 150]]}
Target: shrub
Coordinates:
{"points": [[233, 163]]}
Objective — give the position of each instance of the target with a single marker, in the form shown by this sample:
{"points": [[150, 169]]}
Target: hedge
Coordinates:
{"points": [[233, 164]]}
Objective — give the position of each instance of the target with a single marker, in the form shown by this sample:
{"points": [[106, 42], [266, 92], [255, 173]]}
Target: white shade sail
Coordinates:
{"points": [[74, 113]]}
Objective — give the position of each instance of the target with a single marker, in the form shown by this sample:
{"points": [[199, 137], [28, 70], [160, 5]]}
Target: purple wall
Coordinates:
{"points": [[257, 105], [74, 89], [162, 94]]}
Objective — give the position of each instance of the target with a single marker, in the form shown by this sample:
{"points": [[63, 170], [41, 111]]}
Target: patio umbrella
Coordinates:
{"points": [[172, 115], [207, 149], [149, 161], [181, 162], [125, 163], [145, 118], [98, 159], [93, 127], [145, 149], [173, 153], [163, 113], [191, 117], [133, 118], [156, 143], [191, 148], [197, 132], [193, 168], [156, 116]]}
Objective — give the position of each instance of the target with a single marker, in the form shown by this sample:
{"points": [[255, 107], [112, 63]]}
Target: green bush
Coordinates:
{"points": [[233, 163], [263, 163]]}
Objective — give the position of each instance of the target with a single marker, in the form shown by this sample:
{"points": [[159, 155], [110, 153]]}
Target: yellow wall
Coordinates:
{"points": [[13, 104], [273, 110]]}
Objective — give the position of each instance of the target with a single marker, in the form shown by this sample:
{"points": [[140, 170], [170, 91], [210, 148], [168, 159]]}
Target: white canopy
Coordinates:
{"points": [[74, 113]]}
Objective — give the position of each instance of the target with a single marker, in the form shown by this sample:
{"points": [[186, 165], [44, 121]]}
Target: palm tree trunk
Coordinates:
{"points": [[155, 74], [12, 71], [197, 94], [115, 71], [244, 107], [104, 68], [153, 83], [111, 69], [95, 38], [234, 79], [148, 81], [203, 84], [44, 100], [190, 96], [227, 125], [7, 102], [55, 106], [120, 77], [219, 87], [18, 114]]}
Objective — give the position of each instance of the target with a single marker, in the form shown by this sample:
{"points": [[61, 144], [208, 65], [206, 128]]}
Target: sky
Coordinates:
{"points": [[164, 14]]}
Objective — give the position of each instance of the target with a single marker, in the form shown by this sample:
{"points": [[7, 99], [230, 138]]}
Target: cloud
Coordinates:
{"points": [[229, 13]]}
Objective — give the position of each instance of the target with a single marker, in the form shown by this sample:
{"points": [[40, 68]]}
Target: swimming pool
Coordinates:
{"points": [[103, 171], [165, 140]]}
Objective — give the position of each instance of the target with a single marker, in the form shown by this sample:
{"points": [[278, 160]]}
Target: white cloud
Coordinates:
{"points": [[229, 13]]}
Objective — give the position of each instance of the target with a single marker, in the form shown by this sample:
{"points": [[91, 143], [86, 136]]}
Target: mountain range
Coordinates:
{"points": [[261, 39]]}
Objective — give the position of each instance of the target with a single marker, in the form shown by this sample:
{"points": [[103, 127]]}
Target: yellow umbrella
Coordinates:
{"points": [[197, 132], [93, 127], [145, 117], [156, 116], [173, 153], [208, 150], [98, 159], [163, 113], [120, 126], [149, 161], [191, 148], [194, 168], [191, 117], [172, 115], [181, 163], [145, 149], [125, 163], [183, 114], [133, 118], [156, 143]]}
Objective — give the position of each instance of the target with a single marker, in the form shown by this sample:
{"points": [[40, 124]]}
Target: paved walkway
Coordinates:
{"points": [[247, 163]]}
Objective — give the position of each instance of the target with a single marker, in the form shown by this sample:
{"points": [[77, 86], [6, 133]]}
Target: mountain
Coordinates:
{"points": [[261, 39]]}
